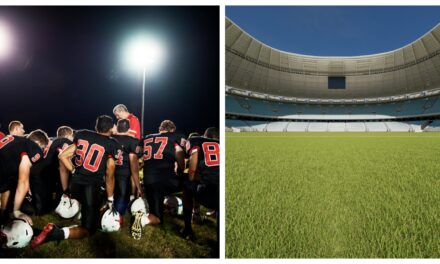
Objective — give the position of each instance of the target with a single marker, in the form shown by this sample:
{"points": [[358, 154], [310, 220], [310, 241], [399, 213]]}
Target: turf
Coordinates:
{"points": [[156, 242], [332, 195]]}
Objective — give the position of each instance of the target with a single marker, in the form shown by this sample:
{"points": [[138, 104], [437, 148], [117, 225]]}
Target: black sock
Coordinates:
{"points": [[56, 234], [4, 217], [187, 214]]}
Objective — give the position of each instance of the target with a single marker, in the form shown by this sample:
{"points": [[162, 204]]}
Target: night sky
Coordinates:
{"points": [[67, 67]]}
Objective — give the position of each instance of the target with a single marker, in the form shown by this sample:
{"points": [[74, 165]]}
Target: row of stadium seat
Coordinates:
{"points": [[262, 126], [243, 105]]}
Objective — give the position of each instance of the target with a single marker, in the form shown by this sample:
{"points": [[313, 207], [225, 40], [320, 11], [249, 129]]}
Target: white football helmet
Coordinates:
{"points": [[111, 221], [67, 208], [18, 233], [139, 205], [173, 205]]}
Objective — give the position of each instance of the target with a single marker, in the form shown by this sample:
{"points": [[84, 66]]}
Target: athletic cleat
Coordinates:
{"points": [[50, 233], [136, 227]]}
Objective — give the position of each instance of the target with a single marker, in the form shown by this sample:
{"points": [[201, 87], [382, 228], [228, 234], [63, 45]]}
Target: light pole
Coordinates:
{"points": [[143, 102], [144, 52]]}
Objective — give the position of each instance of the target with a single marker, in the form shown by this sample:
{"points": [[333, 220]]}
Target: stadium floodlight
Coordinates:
{"points": [[146, 53], [5, 41]]}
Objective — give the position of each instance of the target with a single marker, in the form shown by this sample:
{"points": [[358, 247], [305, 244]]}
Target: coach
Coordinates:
{"points": [[121, 112]]}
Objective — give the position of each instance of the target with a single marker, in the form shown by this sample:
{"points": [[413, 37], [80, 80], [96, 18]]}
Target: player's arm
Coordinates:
{"points": [[64, 176], [65, 157], [24, 171], [192, 165], [180, 158], [134, 168], [110, 178]]}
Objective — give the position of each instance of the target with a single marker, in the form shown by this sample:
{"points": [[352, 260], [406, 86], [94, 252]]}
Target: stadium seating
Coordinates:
{"points": [[237, 125], [336, 127], [433, 127], [416, 126], [376, 127], [238, 104], [259, 126], [233, 106], [276, 126], [317, 127], [398, 127], [374, 117], [355, 127], [297, 127]]}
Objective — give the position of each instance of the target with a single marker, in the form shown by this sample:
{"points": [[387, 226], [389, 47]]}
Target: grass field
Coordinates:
{"points": [[333, 195], [156, 242]]}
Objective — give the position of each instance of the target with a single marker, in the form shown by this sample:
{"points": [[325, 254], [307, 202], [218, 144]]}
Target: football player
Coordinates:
{"points": [[161, 152], [50, 175], [94, 162], [126, 166], [196, 217], [16, 128], [17, 155], [203, 170], [65, 135]]}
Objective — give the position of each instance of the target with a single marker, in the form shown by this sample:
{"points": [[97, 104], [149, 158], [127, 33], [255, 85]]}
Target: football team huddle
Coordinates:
{"points": [[94, 176]]}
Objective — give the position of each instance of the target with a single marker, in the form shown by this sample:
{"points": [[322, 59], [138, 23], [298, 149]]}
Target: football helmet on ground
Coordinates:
{"points": [[139, 205], [68, 207], [17, 234], [110, 221]]}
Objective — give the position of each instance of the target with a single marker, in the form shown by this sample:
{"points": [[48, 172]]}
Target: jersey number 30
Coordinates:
{"points": [[85, 155]]}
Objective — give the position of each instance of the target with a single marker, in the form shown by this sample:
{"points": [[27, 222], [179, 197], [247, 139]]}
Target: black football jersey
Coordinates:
{"points": [[12, 149], [208, 158], [49, 166], [92, 152], [159, 155], [129, 145], [57, 146]]}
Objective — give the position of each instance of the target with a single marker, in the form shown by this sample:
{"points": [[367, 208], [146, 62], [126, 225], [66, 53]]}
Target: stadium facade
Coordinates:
{"points": [[272, 90]]}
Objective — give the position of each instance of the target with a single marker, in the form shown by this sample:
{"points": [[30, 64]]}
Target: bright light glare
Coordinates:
{"points": [[5, 41], [145, 52]]}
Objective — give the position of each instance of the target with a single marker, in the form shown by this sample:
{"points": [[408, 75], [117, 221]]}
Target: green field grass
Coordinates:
{"points": [[156, 242], [333, 195]]}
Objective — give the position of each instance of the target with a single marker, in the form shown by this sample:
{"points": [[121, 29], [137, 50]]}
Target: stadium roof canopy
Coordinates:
{"points": [[253, 66]]}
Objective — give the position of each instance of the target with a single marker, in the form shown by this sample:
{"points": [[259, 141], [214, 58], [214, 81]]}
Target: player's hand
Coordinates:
{"points": [[66, 193], [113, 210], [25, 217], [140, 192], [110, 202]]}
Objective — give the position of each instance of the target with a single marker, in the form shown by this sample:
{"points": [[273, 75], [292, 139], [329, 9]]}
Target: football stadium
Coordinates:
{"points": [[331, 157]]}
